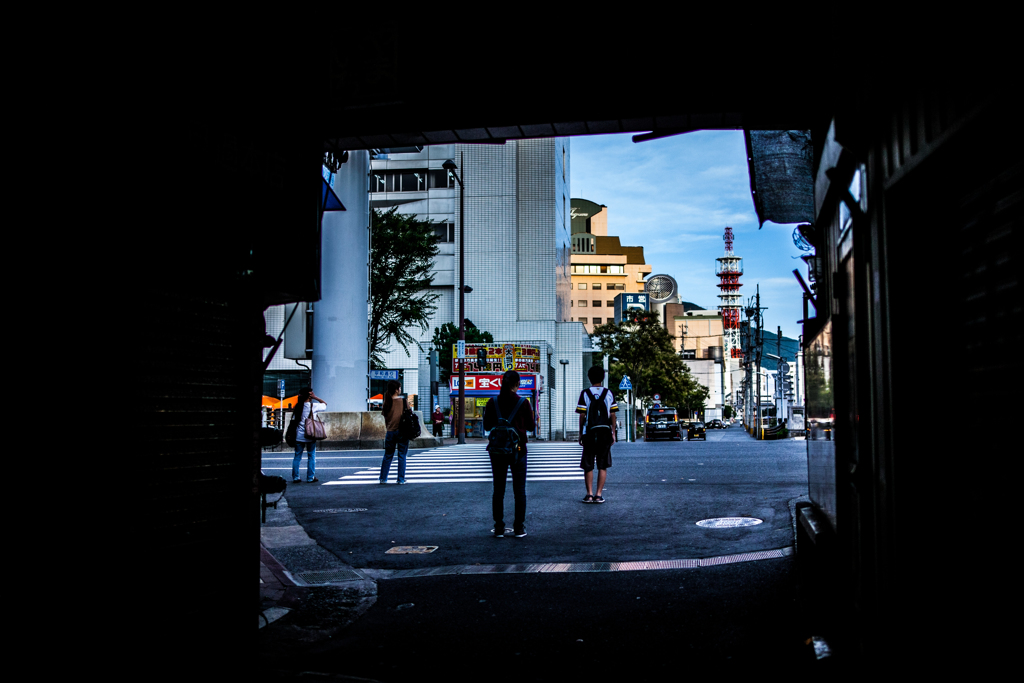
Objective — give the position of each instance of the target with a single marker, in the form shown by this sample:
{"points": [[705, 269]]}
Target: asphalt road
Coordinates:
{"points": [[656, 493], [546, 626]]}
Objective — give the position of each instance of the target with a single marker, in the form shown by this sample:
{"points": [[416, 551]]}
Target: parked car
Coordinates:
{"points": [[696, 431], [662, 422], [714, 424]]}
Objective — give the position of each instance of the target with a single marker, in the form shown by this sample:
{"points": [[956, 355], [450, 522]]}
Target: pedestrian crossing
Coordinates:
{"points": [[470, 463]]}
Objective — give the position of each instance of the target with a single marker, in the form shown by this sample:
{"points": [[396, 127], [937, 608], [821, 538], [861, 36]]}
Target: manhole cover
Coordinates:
{"points": [[333, 510], [728, 522], [328, 576], [410, 550]]}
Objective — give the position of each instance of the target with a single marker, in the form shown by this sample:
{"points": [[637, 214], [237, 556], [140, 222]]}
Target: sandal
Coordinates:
{"points": [[588, 499], [598, 499]]}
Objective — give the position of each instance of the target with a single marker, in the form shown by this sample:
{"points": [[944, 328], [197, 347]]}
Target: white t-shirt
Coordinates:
{"points": [[300, 431], [593, 393]]}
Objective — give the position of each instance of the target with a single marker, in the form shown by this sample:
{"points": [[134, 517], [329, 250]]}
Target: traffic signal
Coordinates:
{"points": [[481, 358]]}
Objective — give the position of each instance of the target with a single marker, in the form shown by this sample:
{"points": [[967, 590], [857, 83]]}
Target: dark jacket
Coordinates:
{"points": [[523, 421]]}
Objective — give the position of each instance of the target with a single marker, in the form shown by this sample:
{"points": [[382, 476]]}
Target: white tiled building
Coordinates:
{"points": [[518, 249]]}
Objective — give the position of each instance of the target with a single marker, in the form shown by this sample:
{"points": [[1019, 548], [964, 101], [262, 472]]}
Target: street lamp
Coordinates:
{"points": [[564, 363], [449, 165]]}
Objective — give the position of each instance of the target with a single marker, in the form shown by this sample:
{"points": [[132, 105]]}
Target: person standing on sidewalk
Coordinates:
{"points": [[394, 406], [438, 419], [597, 409], [522, 422], [307, 404]]}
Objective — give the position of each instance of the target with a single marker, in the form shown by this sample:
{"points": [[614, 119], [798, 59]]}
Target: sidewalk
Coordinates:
{"points": [[319, 593]]}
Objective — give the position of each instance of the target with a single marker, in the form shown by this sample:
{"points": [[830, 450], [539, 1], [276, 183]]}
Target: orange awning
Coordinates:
{"points": [[275, 403]]}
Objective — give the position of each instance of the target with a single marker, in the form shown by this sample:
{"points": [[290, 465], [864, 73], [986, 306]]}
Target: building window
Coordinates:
{"points": [[445, 232], [583, 320], [582, 285], [413, 181], [597, 285], [609, 303], [597, 304], [598, 270], [597, 321], [410, 180], [583, 304], [440, 179]]}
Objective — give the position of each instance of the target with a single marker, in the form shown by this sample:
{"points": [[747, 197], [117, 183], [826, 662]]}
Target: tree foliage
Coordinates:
{"points": [[401, 258], [640, 347], [445, 337]]}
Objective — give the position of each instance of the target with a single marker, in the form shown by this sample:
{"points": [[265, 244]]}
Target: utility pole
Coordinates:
{"points": [[758, 339], [778, 375], [450, 166], [462, 301], [748, 357]]}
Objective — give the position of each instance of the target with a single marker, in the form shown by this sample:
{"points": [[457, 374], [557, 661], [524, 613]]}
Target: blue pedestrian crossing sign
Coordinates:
{"points": [[626, 384]]}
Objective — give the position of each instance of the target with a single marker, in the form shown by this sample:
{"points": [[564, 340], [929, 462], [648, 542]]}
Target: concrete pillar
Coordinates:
{"points": [[340, 359]]}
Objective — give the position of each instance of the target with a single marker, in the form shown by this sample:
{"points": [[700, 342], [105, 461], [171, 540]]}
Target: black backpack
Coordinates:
{"points": [[409, 425], [503, 442], [599, 425]]}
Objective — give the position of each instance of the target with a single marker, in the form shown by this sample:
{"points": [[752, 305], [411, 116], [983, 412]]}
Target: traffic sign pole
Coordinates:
{"points": [[626, 385]]}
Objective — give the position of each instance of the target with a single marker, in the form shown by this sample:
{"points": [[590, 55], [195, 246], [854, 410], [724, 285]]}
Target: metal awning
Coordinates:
{"points": [[779, 162]]}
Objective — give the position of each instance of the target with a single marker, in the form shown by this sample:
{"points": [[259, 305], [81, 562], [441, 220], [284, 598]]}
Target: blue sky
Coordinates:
{"points": [[674, 197]]}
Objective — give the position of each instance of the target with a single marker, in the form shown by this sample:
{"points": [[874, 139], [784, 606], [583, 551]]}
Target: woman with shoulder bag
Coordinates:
{"points": [[307, 406], [394, 406]]}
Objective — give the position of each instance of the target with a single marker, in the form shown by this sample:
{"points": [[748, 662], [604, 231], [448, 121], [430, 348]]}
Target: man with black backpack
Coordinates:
{"points": [[508, 418], [597, 409]]}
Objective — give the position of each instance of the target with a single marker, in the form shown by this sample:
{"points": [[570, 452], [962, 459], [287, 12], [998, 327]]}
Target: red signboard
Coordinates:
{"points": [[489, 382]]}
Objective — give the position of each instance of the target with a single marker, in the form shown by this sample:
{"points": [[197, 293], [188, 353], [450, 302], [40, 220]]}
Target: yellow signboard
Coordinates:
{"points": [[500, 357]]}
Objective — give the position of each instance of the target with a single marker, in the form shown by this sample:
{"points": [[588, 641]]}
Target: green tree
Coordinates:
{"points": [[694, 398], [445, 337], [401, 256], [640, 347]]}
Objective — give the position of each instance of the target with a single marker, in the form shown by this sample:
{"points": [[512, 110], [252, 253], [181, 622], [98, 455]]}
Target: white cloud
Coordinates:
{"points": [[674, 197]]}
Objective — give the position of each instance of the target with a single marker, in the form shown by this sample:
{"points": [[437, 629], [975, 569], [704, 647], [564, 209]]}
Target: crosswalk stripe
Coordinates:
{"points": [[470, 463]]}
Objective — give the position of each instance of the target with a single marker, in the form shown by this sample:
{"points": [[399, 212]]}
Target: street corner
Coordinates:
{"points": [[284, 536], [313, 618]]}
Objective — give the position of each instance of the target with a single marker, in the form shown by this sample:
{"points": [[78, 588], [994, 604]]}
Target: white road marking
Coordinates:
{"points": [[470, 463]]}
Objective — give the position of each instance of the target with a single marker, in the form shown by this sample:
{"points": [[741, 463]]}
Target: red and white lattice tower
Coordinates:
{"points": [[729, 270]]}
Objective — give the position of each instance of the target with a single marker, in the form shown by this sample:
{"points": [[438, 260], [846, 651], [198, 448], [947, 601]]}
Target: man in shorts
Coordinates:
{"points": [[596, 446]]}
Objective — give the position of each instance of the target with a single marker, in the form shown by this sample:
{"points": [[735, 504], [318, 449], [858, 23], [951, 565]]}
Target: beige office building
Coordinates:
{"points": [[698, 336], [696, 333], [601, 266]]}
